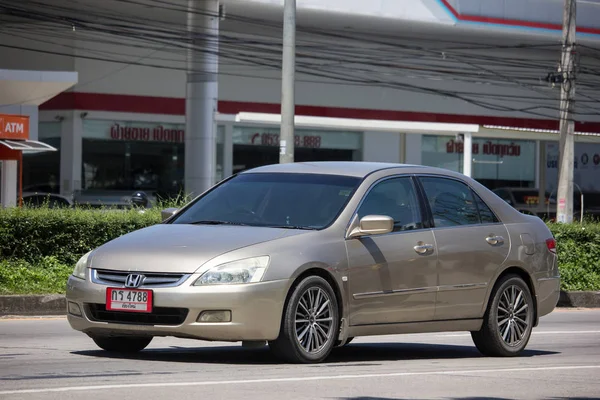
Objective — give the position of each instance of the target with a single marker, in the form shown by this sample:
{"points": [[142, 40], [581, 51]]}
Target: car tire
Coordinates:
{"points": [[122, 344], [310, 323], [508, 320]]}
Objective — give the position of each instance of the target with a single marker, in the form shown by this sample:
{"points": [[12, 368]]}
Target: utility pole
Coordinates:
{"points": [[567, 124], [202, 94], [288, 71]]}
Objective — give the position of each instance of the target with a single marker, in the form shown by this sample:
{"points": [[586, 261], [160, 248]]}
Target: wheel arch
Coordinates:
{"points": [[323, 272], [527, 278]]}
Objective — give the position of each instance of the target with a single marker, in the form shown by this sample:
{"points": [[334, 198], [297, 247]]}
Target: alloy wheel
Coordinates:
{"points": [[513, 315], [314, 319]]}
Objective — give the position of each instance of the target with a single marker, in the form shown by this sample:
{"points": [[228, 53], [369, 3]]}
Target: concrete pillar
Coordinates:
{"points": [[71, 154], [381, 146], [402, 148], [468, 154], [228, 151], [201, 96], [541, 173], [8, 180], [412, 149]]}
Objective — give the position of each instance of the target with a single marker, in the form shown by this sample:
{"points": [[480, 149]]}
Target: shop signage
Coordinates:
{"points": [[14, 127], [146, 134], [303, 138], [489, 148], [493, 159]]}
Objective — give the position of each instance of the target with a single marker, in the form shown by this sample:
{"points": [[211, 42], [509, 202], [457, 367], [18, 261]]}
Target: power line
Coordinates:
{"points": [[354, 64]]}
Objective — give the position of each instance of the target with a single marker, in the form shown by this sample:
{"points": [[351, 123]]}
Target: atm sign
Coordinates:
{"points": [[14, 127]]}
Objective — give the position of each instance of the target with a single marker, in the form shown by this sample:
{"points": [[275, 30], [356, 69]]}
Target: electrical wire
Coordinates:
{"points": [[362, 61]]}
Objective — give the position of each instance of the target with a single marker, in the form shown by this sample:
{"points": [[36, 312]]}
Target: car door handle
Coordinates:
{"points": [[495, 240], [423, 248]]}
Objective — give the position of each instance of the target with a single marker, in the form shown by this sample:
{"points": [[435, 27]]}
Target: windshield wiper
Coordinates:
{"points": [[216, 222], [307, 228]]}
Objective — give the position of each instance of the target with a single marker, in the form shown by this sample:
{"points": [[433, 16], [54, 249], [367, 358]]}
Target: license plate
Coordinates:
{"points": [[132, 300]]}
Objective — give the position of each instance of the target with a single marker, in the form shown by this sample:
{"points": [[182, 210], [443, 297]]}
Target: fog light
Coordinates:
{"points": [[215, 316], [74, 309]]}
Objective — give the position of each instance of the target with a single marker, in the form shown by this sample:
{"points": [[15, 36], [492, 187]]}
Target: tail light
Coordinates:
{"points": [[551, 244]]}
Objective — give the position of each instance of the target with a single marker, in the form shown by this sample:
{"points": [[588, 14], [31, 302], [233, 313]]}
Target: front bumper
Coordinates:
{"points": [[256, 311]]}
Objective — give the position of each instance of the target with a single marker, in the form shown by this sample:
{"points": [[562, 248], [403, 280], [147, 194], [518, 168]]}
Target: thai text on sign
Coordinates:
{"points": [[489, 148], [156, 134]]}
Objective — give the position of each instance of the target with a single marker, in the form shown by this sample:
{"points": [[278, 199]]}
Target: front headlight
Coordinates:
{"points": [[79, 271], [240, 271]]}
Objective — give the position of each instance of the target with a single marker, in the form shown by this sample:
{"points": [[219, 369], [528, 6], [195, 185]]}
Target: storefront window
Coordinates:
{"points": [[586, 169], [256, 146], [136, 156], [496, 162], [41, 171]]}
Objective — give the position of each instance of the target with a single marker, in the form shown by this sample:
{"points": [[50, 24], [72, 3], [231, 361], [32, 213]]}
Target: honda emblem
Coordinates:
{"points": [[134, 280]]}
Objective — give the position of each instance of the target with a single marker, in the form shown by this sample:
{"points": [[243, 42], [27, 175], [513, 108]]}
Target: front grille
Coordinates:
{"points": [[152, 279], [158, 316]]}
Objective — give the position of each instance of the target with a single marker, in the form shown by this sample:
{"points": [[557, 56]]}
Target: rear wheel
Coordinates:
{"points": [[508, 321], [122, 344], [310, 323]]}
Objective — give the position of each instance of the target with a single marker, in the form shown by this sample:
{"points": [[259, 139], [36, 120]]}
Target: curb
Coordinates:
{"points": [[579, 299], [55, 304], [49, 304]]}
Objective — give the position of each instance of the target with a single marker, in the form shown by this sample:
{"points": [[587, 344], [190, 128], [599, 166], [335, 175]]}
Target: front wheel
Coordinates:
{"points": [[508, 321], [310, 324], [122, 344]]}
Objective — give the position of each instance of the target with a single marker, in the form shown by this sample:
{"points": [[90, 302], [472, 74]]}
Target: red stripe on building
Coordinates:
{"points": [[513, 22], [176, 106], [451, 9]]}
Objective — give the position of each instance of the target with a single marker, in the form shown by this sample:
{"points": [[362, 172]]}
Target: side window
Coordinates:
{"points": [[395, 198], [486, 214], [451, 202]]}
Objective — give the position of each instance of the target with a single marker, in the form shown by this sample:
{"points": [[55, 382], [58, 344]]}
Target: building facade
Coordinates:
{"points": [[375, 91]]}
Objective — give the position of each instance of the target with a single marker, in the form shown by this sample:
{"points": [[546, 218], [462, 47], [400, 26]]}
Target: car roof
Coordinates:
{"points": [[348, 168]]}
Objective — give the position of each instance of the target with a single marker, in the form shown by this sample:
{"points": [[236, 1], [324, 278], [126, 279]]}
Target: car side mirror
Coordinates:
{"points": [[168, 213], [372, 225]]}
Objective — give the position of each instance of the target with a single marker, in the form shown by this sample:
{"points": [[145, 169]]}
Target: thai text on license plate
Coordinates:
{"points": [[133, 300]]}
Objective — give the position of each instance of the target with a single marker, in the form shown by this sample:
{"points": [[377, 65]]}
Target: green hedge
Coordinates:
{"points": [[578, 248], [66, 234], [39, 247]]}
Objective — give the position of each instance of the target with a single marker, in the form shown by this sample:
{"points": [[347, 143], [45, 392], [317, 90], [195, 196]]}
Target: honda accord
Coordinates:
{"points": [[303, 257]]}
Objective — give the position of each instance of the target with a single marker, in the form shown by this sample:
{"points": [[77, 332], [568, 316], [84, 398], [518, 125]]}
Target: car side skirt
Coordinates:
{"points": [[416, 327]]}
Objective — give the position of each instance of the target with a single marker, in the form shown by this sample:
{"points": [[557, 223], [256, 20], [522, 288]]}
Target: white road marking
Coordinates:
{"points": [[290, 379], [533, 333]]}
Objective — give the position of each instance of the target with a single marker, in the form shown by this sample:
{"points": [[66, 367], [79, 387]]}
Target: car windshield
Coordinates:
{"points": [[286, 200]]}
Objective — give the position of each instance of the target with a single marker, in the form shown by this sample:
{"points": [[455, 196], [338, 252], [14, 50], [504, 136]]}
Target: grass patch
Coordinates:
{"points": [[48, 276]]}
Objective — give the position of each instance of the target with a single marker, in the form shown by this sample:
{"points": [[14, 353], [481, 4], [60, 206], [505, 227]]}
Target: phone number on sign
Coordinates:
{"points": [[269, 139]]}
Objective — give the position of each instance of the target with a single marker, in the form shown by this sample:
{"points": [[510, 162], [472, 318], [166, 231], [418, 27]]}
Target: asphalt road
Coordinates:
{"points": [[45, 359]]}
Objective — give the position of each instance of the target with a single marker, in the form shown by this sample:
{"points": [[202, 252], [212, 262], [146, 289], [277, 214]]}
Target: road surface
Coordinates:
{"points": [[45, 359]]}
